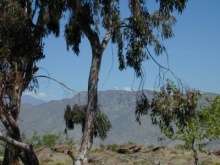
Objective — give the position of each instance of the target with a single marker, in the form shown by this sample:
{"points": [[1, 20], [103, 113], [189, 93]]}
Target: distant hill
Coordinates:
{"points": [[26, 99], [118, 105]]}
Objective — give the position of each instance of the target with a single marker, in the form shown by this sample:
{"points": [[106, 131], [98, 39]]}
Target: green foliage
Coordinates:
{"points": [[21, 45], [170, 108], [142, 106], [35, 140], [192, 134], [101, 22], [113, 147], [132, 34], [48, 140], [130, 142], [205, 125], [210, 118], [102, 125], [76, 115], [49, 15]]}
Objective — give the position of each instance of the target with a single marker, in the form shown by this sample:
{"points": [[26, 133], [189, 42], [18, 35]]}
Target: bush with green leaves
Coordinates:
{"points": [[48, 140]]}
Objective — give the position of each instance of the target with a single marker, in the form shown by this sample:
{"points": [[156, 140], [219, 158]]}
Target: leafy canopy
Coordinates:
{"points": [[21, 47], [103, 20]]}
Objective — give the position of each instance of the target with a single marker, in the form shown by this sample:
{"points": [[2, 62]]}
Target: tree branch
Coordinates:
{"points": [[15, 143], [4, 121], [57, 81], [7, 119], [163, 67], [106, 39]]}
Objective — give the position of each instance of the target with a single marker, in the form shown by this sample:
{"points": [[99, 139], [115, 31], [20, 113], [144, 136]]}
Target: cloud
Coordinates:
{"points": [[126, 88], [116, 88], [39, 95]]}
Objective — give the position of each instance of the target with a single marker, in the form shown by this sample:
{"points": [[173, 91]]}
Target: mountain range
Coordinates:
{"points": [[27, 99], [47, 117]]}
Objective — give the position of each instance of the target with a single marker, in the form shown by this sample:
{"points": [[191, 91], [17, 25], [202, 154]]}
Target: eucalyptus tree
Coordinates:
{"points": [[22, 28], [20, 50], [135, 34]]}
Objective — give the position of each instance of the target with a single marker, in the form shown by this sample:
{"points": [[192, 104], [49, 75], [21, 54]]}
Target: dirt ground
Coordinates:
{"points": [[146, 156]]}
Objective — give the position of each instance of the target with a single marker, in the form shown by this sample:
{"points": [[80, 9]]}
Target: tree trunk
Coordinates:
{"points": [[12, 153], [87, 138], [10, 156], [196, 159], [29, 157], [195, 153]]}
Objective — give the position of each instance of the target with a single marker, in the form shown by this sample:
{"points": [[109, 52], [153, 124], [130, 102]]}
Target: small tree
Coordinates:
{"points": [[176, 113], [204, 126], [192, 135]]}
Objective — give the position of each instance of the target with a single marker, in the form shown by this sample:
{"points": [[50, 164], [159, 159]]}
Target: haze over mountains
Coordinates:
{"points": [[26, 99], [47, 117]]}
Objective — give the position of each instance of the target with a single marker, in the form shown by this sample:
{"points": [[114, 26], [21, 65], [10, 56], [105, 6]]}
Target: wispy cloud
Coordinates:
{"points": [[126, 88], [39, 95]]}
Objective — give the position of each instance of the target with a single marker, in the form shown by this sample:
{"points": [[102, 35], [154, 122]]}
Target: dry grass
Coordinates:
{"points": [[108, 156]]}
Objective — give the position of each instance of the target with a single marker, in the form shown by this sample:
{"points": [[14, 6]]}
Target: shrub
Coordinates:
{"points": [[48, 140]]}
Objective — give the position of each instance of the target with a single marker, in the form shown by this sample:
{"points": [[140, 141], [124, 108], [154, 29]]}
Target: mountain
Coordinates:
{"points": [[118, 105], [26, 99]]}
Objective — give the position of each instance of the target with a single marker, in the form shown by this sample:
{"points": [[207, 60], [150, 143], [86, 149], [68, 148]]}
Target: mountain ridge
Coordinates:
{"points": [[119, 105]]}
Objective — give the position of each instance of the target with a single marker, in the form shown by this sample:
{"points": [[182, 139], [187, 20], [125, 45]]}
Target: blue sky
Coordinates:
{"points": [[194, 56]]}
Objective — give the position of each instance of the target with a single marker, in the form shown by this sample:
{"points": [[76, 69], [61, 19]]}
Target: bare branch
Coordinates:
{"points": [[57, 81], [163, 67]]}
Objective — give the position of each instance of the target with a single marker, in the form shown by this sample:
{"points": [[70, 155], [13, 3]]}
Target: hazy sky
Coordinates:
{"points": [[194, 56]]}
